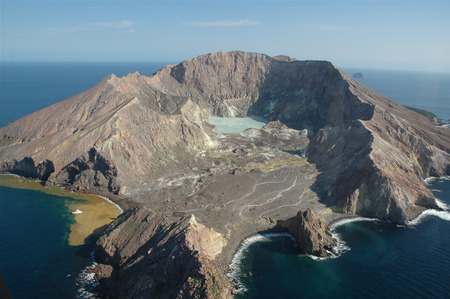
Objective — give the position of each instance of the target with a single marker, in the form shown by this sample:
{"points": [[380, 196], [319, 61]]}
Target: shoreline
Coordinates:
{"points": [[234, 264], [121, 203], [334, 220], [234, 267], [91, 210]]}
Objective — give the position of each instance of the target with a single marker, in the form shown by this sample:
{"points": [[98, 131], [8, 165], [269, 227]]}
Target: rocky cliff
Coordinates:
{"points": [[145, 255], [135, 132], [385, 158], [311, 234]]}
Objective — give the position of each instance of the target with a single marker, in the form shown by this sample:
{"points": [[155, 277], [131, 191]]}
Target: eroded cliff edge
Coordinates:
{"points": [[334, 145], [145, 255]]}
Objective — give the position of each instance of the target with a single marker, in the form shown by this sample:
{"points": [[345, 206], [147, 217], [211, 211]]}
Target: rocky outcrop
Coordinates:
{"points": [[145, 255], [430, 115], [311, 234], [90, 172], [28, 168]]}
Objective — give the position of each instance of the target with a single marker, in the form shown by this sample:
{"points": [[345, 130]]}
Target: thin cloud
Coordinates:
{"points": [[124, 24], [335, 28], [118, 24], [128, 31], [225, 23]]}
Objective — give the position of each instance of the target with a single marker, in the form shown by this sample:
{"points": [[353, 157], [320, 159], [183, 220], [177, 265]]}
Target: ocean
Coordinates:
{"points": [[30, 86], [424, 90], [383, 260], [36, 260], [379, 260]]}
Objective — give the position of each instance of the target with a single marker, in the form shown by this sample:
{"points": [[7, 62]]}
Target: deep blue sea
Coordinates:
{"points": [[36, 260], [424, 90], [384, 261], [30, 86]]}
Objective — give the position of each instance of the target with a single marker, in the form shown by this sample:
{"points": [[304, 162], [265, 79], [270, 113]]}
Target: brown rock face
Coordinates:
{"points": [[153, 257], [28, 168], [376, 167], [311, 234], [90, 171], [135, 129]]}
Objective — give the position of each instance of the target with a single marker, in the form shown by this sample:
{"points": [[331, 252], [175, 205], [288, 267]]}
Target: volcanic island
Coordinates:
{"points": [[332, 148]]}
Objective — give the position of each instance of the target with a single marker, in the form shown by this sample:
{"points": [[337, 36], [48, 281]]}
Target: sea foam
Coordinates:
{"points": [[86, 280], [442, 205], [236, 263], [444, 214], [111, 202], [429, 180], [341, 245], [343, 221]]}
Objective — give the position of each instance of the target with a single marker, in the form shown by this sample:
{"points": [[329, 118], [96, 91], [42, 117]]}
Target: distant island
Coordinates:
{"points": [[358, 75], [332, 148]]}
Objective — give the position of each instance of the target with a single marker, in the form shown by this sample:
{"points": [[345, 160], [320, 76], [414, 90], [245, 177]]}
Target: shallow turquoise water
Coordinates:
{"points": [[236, 124]]}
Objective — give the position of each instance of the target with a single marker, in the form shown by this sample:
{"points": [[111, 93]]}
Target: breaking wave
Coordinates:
{"points": [[444, 214], [111, 202], [341, 245], [442, 205], [343, 221], [86, 280], [235, 272], [429, 180]]}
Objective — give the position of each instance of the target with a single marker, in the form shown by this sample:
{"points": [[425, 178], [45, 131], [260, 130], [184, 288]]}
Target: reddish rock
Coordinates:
{"points": [[311, 234]]}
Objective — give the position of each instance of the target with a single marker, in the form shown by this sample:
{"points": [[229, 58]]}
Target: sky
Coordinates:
{"points": [[403, 35]]}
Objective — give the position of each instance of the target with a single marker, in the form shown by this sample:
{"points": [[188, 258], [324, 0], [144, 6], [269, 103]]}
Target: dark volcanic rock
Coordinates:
{"points": [[90, 171], [311, 234], [27, 168]]}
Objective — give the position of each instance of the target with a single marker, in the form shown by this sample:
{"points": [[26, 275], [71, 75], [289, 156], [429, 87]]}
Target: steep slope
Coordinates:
{"points": [[108, 133], [375, 167], [145, 255]]}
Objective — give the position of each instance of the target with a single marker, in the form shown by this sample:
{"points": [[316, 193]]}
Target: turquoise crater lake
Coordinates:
{"points": [[236, 124]]}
